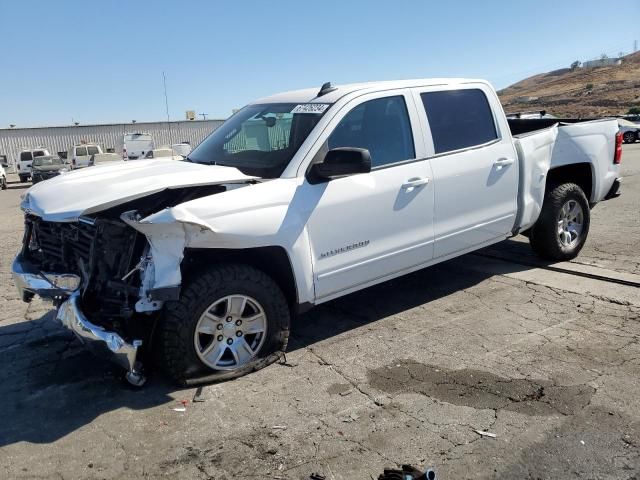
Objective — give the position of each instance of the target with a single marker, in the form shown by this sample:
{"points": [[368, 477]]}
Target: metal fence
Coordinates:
{"points": [[59, 139]]}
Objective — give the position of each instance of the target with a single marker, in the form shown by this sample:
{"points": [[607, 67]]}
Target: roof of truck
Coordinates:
{"points": [[310, 95]]}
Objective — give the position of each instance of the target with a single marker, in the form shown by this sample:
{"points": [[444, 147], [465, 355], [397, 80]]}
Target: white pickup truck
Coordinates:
{"points": [[295, 200]]}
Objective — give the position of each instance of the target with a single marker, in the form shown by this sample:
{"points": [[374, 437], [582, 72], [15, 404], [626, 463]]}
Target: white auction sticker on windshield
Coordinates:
{"points": [[310, 108]]}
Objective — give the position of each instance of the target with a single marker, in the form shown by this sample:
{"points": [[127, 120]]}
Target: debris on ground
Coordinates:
{"points": [[279, 427], [407, 473], [482, 433], [197, 397]]}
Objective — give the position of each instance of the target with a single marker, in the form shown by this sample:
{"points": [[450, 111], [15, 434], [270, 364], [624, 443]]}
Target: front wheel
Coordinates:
{"points": [[562, 228], [229, 321], [629, 137], [3, 183]]}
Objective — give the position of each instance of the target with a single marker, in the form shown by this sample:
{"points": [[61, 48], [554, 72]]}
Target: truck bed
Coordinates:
{"points": [[548, 143]]}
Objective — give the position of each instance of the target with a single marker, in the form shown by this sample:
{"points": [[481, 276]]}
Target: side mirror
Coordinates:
{"points": [[5, 165], [341, 162]]}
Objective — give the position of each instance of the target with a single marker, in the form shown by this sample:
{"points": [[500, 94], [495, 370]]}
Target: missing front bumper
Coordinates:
{"points": [[95, 337], [64, 288], [30, 280]]}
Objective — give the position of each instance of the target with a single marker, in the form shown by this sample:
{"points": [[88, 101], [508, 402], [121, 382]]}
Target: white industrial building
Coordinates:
{"points": [[602, 62], [109, 136]]}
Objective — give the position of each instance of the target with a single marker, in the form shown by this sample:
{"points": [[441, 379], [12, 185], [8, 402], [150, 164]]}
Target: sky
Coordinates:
{"points": [[102, 61]]}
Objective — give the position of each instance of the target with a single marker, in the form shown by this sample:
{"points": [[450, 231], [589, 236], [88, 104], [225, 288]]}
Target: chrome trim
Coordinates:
{"points": [[48, 285], [96, 337]]}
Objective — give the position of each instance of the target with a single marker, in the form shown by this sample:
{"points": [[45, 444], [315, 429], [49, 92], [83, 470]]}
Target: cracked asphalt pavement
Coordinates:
{"points": [[405, 372]]}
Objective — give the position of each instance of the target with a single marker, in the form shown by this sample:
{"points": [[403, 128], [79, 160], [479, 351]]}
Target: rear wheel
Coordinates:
{"points": [[562, 228], [24, 178], [629, 137], [229, 321], [3, 183]]}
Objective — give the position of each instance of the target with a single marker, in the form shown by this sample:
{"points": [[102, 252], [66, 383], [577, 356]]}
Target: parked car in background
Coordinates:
{"points": [[136, 145], [25, 159], [79, 155], [163, 152], [183, 148], [296, 200], [630, 131], [49, 166], [102, 158], [3, 177]]}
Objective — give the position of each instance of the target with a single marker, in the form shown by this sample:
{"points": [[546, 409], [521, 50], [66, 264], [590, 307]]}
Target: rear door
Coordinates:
{"points": [[80, 158], [26, 159], [474, 167]]}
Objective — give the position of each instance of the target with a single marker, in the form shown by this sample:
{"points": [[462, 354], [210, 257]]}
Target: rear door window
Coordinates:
{"points": [[459, 119], [81, 151], [92, 150], [382, 126]]}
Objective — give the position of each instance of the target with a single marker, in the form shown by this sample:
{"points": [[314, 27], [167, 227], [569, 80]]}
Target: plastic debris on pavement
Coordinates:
{"points": [[485, 434], [407, 473]]}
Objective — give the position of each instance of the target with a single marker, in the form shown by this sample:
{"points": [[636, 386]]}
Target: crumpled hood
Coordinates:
{"points": [[81, 192]]}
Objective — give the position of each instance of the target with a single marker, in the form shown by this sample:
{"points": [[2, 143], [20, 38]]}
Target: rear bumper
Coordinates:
{"points": [[615, 190], [64, 287]]}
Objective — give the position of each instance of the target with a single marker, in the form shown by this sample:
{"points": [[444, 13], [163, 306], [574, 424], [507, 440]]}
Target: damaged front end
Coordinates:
{"points": [[101, 273]]}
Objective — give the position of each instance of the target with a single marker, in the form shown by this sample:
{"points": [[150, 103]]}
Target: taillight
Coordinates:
{"points": [[73, 162], [617, 156]]}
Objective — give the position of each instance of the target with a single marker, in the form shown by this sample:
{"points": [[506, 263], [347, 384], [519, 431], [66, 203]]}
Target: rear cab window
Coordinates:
{"points": [[26, 156], [459, 119]]}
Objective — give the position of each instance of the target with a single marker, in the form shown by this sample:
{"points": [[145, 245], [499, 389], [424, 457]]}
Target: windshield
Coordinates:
{"points": [[260, 140], [46, 161]]}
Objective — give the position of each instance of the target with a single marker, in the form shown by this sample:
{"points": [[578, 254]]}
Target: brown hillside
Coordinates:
{"points": [[583, 92]]}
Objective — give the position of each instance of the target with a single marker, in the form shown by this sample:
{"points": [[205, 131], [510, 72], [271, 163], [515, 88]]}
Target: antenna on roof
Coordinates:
{"points": [[326, 88]]}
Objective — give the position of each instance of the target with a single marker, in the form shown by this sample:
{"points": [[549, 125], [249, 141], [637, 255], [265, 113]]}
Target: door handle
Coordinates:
{"points": [[415, 182], [503, 162]]}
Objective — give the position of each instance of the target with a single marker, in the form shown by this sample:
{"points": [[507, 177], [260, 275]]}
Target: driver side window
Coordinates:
{"points": [[382, 126]]}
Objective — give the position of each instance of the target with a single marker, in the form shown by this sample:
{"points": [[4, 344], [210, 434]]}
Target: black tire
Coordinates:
{"points": [[177, 351], [24, 178], [544, 237], [629, 137], [3, 183]]}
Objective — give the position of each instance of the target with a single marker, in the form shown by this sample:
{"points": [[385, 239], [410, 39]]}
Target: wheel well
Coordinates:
{"points": [[273, 261], [578, 173]]}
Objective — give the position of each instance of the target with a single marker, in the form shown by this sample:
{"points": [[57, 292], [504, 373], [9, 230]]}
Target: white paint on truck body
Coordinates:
{"points": [[351, 232]]}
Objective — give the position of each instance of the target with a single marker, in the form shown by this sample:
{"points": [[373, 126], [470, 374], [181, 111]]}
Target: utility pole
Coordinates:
{"points": [[166, 105], [635, 46], [204, 115]]}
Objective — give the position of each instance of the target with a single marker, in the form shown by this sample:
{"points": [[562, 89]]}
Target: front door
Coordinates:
{"points": [[370, 226]]}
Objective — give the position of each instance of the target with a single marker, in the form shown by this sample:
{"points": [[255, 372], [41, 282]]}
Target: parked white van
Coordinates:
{"points": [[79, 155], [25, 159], [136, 145]]}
